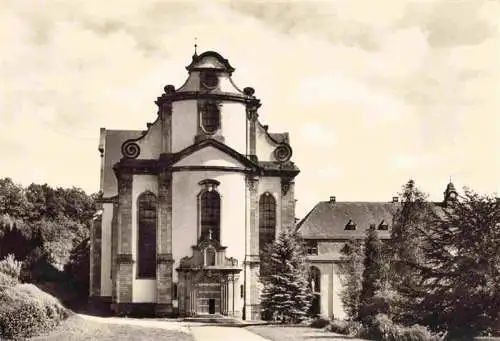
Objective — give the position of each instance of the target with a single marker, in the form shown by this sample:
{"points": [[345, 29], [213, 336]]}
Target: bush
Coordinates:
{"points": [[351, 328], [320, 322], [10, 266], [7, 281], [381, 328], [26, 311]]}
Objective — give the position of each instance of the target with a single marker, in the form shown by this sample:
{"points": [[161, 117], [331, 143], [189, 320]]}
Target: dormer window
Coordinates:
{"points": [[312, 247], [383, 226], [210, 117], [350, 225]]}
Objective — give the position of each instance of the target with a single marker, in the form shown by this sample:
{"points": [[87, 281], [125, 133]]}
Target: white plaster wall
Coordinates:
{"points": [[107, 216], [143, 290], [151, 143], [272, 185], [185, 189], [233, 124], [184, 124], [209, 156], [264, 145], [337, 307]]}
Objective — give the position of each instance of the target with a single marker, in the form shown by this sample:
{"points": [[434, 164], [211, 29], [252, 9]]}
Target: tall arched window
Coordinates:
{"points": [[315, 285], [315, 279], [146, 250], [210, 215], [267, 220], [210, 117]]}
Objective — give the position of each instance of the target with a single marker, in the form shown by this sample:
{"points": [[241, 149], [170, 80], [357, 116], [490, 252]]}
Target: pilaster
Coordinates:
{"points": [[164, 244], [124, 259], [251, 263], [252, 115], [95, 251], [166, 119], [287, 203]]}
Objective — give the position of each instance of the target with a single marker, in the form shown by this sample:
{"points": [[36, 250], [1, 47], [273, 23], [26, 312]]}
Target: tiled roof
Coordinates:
{"points": [[328, 220]]}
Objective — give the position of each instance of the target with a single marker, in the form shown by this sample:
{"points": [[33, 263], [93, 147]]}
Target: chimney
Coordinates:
{"points": [[332, 200], [395, 199]]}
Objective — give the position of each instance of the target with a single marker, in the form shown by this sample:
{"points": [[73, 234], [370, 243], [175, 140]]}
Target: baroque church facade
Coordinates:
{"points": [[187, 204]]}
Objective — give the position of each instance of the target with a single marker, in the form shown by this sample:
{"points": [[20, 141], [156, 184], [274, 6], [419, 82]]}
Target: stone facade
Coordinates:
{"points": [[205, 162]]}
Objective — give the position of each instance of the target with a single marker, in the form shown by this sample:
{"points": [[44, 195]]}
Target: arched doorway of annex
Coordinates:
{"points": [[315, 285]]}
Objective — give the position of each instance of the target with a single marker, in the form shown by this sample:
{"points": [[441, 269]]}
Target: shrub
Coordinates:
{"points": [[26, 311], [351, 328], [320, 322], [10, 266], [7, 281], [381, 328]]}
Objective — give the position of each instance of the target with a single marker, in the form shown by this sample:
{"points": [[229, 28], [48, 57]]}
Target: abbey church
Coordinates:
{"points": [[188, 203]]}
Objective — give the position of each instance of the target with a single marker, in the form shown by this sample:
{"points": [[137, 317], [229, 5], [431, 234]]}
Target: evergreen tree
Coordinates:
{"points": [[461, 273], [351, 270], [373, 275], [286, 295]]}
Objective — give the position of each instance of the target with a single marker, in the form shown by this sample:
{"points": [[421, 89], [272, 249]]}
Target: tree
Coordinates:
{"points": [[373, 275], [286, 295], [461, 273], [351, 270], [404, 252]]}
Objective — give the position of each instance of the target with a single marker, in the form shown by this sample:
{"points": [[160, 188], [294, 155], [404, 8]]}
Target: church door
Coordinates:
{"points": [[211, 306]]}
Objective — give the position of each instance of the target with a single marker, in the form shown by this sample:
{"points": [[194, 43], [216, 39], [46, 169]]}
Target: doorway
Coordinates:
{"points": [[211, 306]]}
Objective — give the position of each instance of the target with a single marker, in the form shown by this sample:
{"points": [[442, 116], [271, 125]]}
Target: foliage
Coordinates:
{"points": [[26, 311], [286, 294], [351, 270], [381, 328], [408, 235], [7, 281], [52, 221], [78, 267], [373, 274], [319, 322], [461, 276], [10, 266], [349, 327]]}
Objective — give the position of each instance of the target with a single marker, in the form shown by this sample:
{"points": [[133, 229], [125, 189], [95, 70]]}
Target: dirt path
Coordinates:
{"points": [[214, 333], [160, 324]]}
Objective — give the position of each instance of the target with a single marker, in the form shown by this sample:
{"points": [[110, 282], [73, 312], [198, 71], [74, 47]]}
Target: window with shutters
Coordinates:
{"points": [[146, 250]]}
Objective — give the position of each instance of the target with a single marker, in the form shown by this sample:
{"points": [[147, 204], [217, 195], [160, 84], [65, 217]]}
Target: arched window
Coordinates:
{"points": [[315, 279], [210, 215], [267, 220], [174, 291], [146, 250], [210, 117]]}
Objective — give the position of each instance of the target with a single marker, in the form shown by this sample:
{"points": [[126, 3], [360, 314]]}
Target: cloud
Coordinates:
{"points": [[369, 91]]}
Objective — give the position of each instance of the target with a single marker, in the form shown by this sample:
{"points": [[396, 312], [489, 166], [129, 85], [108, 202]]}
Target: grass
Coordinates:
{"points": [[292, 333], [75, 328]]}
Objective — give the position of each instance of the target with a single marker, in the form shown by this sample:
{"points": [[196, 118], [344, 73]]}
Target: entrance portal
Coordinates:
{"points": [[211, 306]]}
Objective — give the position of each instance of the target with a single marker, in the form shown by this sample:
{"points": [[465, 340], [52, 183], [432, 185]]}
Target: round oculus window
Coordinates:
{"points": [[209, 80]]}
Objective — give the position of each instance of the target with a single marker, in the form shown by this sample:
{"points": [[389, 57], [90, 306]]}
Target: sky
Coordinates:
{"points": [[373, 93]]}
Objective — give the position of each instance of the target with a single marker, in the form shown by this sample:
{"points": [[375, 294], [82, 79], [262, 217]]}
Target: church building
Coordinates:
{"points": [[188, 203]]}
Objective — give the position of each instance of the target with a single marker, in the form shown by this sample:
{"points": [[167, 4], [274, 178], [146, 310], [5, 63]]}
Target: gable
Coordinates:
{"points": [[209, 156]]}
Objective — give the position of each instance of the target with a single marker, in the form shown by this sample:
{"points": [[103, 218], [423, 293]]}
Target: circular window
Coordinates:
{"points": [[209, 80]]}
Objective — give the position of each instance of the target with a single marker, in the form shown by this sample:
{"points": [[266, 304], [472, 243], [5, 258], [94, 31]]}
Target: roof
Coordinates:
{"points": [[328, 220]]}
